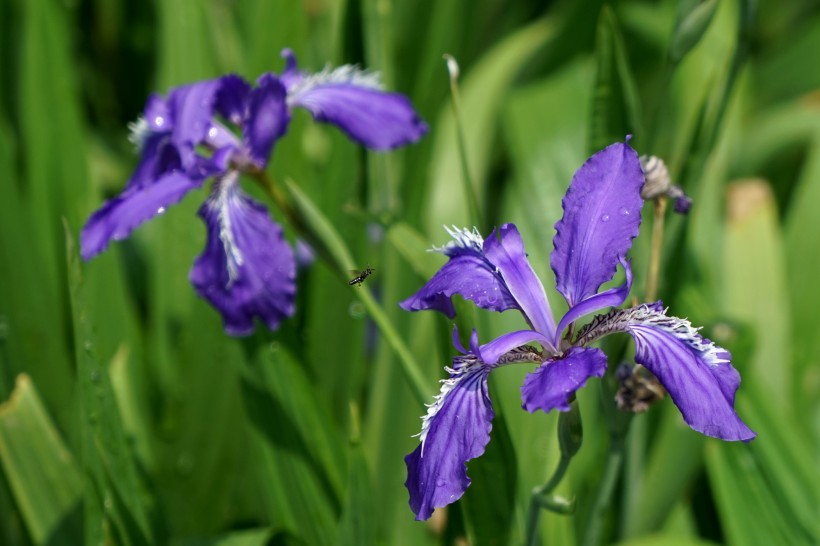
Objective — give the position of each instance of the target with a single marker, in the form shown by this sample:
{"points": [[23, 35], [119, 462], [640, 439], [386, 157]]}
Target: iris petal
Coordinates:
{"points": [[507, 253], [697, 373], [117, 218], [191, 108], [698, 376], [353, 100], [247, 269], [469, 273], [456, 429], [602, 214], [554, 382], [609, 298], [267, 118]]}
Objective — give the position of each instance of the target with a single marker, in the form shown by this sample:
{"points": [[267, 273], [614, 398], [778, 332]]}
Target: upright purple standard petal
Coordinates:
{"points": [[697, 373], [456, 429], [602, 213], [353, 101], [267, 118], [507, 253], [247, 269], [554, 382], [117, 218], [608, 298], [192, 110], [231, 98]]}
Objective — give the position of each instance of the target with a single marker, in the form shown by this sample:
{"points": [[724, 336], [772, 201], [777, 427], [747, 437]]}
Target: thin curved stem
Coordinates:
{"points": [[570, 437], [603, 499], [317, 229], [466, 177], [538, 498], [658, 224]]}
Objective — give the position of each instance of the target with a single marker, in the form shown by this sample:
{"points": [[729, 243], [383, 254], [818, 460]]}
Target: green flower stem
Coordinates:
{"points": [[467, 179], [614, 461], [570, 437], [658, 224], [317, 229], [542, 499]]}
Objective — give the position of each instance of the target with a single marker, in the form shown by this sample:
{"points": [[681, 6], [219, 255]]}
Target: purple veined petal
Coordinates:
{"points": [[291, 75], [610, 298], [158, 157], [457, 340], [492, 352], [455, 430], [156, 114], [353, 100], [697, 373], [231, 98], [554, 382], [602, 214], [247, 269], [267, 118], [192, 109], [468, 273], [117, 218], [506, 252]]}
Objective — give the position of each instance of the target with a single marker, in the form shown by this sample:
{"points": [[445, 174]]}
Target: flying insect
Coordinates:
{"points": [[360, 276]]}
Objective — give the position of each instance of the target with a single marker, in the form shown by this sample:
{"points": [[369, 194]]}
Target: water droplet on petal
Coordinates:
{"points": [[605, 218], [624, 211], [441, 483], [161, 210]]}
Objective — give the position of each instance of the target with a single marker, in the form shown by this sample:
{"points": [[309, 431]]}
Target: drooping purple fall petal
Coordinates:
{"points": [[117, 218], [247, 269], [353, 100], [602, 213], [697, 373], [469, 273], [554, 382], [457, 426], [456, 429]]}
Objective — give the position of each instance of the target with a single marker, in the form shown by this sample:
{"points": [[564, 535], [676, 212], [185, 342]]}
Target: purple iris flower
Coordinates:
{"points": [[247, 269], [601, 217]]}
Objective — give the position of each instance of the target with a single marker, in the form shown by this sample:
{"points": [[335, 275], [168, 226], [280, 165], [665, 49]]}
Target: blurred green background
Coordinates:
{"points": [[129, 417]]}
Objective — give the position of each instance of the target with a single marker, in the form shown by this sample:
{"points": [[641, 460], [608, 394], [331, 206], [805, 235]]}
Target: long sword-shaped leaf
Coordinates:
{"points": [[44, 478]]}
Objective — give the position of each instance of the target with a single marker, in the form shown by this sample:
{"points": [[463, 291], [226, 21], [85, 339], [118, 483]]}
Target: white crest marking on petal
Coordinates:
{"points": [[619, 320], [226, 197], [464, 368], [139, 131], [463, 238], [346, 74]]}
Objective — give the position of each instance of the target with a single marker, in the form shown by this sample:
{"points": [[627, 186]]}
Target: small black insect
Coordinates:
{"points": [[360, 276]]}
